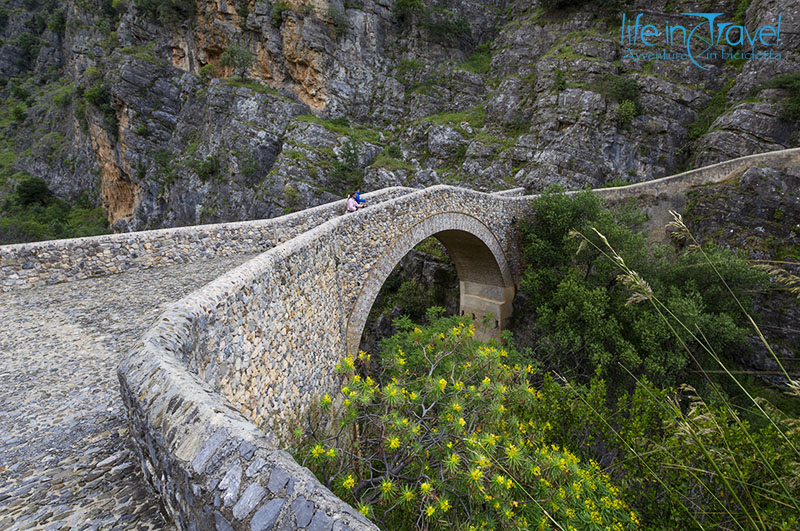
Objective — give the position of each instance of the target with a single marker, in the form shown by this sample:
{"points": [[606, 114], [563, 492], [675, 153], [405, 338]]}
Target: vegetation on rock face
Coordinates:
{"points": [[607, 5], [239, 57], [790, 107], [347, 172], [276, 15], [32, 213], [626, 111], [710, 112], [167, 11]]}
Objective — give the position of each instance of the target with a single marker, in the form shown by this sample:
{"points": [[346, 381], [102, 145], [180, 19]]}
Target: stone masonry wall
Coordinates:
{"points": [[50, 262], [255, 348]]}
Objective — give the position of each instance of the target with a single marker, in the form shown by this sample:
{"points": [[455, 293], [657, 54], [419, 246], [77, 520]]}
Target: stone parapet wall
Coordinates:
{"points": [[716, 173], [255, 348], [656, 198], [211, 466], [50, 262]]}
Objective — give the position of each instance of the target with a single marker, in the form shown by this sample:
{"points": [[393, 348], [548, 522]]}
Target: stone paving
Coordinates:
{"points": [[65, 455]]}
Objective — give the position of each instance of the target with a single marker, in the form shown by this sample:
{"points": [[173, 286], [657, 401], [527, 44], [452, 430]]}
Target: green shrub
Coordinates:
{"points": [[57, 22], [32, 190], [20, 93], [393, 150], [444, 26], [167, 11], [602, 5], [403, 9], [622, 88], [340, 22], [276, 15], [626, 111], [30, 45], [346, 171], [293, 197], [143, 131], [208, 168], [407, 68], [559, 82], [209, 71], [19, 112], [790, 106], [96, 95], [63, 96], [163, 157], [242, 9], [239, 57], [441, 438]]}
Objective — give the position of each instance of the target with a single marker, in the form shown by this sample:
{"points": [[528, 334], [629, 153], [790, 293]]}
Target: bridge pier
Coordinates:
{"points": [[488, 305]]}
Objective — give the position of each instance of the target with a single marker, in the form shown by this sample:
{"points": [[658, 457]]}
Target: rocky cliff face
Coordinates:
{"points": [[136, 102], [758, 214]]}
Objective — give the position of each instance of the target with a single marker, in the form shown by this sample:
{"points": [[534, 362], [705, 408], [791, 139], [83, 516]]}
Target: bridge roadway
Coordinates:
{"points": [[65, 454]]}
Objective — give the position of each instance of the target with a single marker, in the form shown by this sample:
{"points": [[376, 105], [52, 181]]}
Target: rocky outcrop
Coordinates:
{"points": [[758, 213]]}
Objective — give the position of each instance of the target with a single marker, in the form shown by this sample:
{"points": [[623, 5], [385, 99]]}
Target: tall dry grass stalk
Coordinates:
{"points": [[697, 423]]}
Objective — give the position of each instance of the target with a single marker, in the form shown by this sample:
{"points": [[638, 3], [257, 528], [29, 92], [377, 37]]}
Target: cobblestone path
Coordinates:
{"points": [[65, 457]]}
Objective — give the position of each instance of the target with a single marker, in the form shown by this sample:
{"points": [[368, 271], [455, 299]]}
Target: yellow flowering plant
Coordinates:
{"points": [[443, 440]]}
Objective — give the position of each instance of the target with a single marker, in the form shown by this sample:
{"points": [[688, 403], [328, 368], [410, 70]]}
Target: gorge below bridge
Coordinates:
{"points": [[211, 387]]}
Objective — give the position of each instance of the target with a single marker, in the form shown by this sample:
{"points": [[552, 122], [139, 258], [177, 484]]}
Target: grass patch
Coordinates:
{"points": [[475, 117], [145, 53], [251, 84], [342, 127], [478, 62], [713, 110], [391, 163]]}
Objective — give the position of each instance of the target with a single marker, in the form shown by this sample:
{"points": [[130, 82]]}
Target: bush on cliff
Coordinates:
{"points": [[167, 11]]}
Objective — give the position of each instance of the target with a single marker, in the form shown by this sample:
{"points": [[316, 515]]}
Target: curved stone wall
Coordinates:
{"points": [[256, 346]]}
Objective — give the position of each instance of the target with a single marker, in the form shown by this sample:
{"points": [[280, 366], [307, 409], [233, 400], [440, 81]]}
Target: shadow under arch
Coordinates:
{"points": [[484, 274]]}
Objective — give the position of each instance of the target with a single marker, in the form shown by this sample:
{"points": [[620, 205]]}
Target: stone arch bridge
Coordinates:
{"points": [[212, 388]]}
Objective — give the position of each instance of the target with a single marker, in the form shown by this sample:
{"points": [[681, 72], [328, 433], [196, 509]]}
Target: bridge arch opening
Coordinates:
{"points": [[485, 282]]}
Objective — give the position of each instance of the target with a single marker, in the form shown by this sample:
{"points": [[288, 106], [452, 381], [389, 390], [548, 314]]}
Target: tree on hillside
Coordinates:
{"points": [[239, 57]]}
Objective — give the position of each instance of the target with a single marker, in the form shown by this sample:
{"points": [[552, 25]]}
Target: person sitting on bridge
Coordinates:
{"points": [[352, 203], [361, 202]]}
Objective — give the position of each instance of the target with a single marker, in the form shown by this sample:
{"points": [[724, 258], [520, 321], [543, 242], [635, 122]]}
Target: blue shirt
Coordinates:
{"points": [[358, 198]]}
